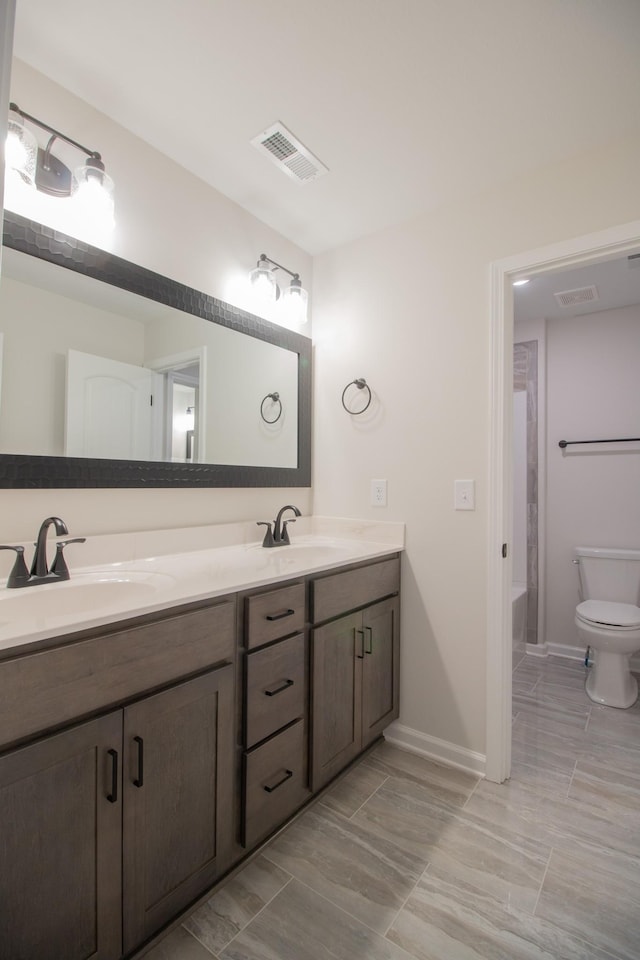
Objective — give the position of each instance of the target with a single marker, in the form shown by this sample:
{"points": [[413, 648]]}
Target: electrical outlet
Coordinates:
{"points": [[378, 493]]}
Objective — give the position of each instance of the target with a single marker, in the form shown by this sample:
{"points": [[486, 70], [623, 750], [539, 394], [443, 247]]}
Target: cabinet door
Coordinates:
{"points": [[336, 698], [380, 668], [60, 846], [178, 794]]}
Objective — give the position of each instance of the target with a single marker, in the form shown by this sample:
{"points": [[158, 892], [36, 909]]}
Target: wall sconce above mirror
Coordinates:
{"points": [[266, 290], [78, 194], [122, 344]]}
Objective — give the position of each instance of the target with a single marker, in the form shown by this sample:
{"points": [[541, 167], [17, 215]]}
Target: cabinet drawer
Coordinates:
{"points": [[274, 688], [59, 685], [276, 614], [341, 592], [275, 782]]}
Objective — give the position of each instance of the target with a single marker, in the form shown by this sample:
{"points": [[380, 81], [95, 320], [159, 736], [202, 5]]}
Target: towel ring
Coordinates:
{"points": [[275, 398], [361, 384]]}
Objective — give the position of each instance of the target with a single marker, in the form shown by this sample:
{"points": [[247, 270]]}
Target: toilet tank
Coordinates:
{"points": [[609, 574]]}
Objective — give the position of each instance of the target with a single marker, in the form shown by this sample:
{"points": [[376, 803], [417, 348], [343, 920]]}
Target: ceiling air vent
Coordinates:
{"points": [[289, 154], [573, 298]]}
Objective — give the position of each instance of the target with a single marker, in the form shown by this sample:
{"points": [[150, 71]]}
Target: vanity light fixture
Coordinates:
{"points": [[28, 165], [266, 289], [521, 282]]}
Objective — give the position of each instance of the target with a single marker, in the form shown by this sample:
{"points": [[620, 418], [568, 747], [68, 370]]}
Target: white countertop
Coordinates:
{"points": [[118, 576]]}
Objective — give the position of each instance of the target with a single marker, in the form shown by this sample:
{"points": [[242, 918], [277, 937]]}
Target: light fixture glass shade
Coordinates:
{"points": [[294, 303], [21, 151], [92, 191], [264, 288], [21, 154]]}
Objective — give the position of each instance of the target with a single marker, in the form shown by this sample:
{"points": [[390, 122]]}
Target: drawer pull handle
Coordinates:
{"points": [[287, 776], [284, 686], [280, 616], [113, 796], [369, 647], [360, 633], [139, 781]]}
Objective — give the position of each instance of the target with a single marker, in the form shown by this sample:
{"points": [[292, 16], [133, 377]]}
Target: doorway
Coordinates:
{"points": [[593, 248]]}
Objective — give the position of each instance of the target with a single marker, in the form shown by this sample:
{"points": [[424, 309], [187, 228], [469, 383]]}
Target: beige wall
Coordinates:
{"points": [[408, 309], [169, 221], [593, 498]]}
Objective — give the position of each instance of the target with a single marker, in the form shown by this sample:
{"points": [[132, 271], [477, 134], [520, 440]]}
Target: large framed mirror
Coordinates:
{"points": [[112, 375]]}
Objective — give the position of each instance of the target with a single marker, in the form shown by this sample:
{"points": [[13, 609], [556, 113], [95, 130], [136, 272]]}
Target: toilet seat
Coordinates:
{"points": [[623, 616]]}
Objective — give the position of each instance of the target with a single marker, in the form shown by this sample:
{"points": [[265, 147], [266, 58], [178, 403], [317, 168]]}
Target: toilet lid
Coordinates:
{"points": [[612, 614]]}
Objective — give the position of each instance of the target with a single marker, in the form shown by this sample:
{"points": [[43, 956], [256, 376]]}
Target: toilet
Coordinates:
{"points": [[608, 621]]}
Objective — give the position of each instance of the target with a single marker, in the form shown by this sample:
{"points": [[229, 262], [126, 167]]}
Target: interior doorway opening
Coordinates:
{"points": [[590, 249]]}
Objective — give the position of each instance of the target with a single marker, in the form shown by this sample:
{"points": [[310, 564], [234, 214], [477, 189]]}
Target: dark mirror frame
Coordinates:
{"points": [[21, 471]]}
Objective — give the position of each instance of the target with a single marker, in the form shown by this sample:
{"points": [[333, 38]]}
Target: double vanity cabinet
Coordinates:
{"points": [[143, 759]]}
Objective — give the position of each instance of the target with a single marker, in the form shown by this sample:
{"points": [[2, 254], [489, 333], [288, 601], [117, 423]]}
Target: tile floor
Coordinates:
{"points": [[407, 860]]}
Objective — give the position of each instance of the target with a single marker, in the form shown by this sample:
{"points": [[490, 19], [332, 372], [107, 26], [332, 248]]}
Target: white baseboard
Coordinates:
{"points": [[442, 751], [537, 650], [568, 652]]}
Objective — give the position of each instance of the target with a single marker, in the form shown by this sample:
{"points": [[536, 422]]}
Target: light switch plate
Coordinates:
{"points": [[464, 494]]}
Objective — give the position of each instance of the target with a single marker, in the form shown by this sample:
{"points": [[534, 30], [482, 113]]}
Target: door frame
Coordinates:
{"points": [[579, 251]]}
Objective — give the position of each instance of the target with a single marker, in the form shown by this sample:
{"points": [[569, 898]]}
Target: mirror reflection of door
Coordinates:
{"points": [[182, 401], [108, 408]]}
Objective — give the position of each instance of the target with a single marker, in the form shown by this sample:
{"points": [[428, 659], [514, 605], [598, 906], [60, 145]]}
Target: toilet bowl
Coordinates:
{"points": [[608, 621], [612, 630]]}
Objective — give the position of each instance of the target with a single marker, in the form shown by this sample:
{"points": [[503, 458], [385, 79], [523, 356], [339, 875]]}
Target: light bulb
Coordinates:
{"points": [[294, 303], [264, 288], [21, 150], [92, 193]]}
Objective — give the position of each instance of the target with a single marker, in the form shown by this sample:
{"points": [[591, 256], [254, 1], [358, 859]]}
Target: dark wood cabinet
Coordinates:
{"points": [[198, 732], [354, 666], [60, 845], [111, 827], [178, 799], [275, 778], [380, 668]]}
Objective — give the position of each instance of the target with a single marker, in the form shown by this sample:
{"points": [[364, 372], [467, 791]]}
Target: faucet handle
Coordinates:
{"points": [[59, 566], [285, 532], [268, 537], [19, 575]]}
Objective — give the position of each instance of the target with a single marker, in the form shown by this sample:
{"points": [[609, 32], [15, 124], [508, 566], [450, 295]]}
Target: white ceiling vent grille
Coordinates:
{"points": [[573, 298], [289, 154]]}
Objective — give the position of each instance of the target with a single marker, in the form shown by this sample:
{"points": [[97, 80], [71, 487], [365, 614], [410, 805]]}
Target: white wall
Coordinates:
{"points": [[593, 493], [408, 309], [168, 221]]}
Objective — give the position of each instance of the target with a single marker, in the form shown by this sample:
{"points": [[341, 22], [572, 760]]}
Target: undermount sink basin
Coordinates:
{"points": [[85, 593], [307, 552]]}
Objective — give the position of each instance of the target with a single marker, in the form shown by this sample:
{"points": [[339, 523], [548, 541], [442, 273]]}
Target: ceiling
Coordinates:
{"points": [[617, 284], [411, 104]]}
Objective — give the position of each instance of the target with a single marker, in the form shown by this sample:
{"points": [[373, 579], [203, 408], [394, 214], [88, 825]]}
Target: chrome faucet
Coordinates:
{"points": [[279, 537], [40, 572]]}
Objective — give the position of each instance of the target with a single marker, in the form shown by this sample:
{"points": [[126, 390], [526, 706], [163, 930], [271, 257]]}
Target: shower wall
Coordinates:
{"points": [[525, 381]]}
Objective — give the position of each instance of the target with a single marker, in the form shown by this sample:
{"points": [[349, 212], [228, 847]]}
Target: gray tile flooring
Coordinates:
{"points": [[408, 860]]}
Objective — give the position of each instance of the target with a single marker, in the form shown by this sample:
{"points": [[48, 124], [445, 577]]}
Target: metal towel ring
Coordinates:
{"points": [[361, 384], [275, 398]]}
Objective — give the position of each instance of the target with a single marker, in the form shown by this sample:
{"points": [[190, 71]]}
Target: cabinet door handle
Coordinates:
{"points": [[369, 632], [287, 776], [113, 796], [284, 686], [139, 781], [360, 633], [280, 616]]}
